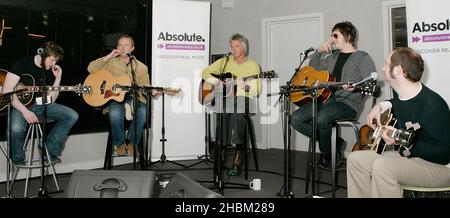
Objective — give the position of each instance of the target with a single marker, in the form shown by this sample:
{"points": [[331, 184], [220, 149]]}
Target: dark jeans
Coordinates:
{"points": [[234, 127], [327, 113], [117, 119], [65, 118]]}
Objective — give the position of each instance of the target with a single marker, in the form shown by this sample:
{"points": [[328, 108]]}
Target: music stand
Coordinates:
{"points": [[163, 158], [206, 157]]}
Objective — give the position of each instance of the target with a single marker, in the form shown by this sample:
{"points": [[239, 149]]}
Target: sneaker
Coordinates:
{"points": [[234, 172], [53, 159], [120, 150], [324, 161]]}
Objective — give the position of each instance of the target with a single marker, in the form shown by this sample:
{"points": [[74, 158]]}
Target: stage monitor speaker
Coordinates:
{"points": [[111, 184], [181, 186]]}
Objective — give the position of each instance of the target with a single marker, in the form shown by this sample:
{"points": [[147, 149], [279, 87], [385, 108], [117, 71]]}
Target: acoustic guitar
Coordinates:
{"points": [[309, 77], [366, 132], [208, 92], [25, 90], [106, 87], [402, 137]]}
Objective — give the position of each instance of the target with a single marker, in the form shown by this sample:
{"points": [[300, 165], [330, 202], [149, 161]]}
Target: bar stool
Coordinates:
{"points": [[250, 134], [33, 139], [334, 138], [415, 189], [108, 161]]}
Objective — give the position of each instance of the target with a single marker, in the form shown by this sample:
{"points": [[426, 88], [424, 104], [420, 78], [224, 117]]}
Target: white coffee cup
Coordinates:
{"points": [[255, 184]]}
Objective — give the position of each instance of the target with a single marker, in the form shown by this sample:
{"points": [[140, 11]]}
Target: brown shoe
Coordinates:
{"points": [[130, 149], [120, 150], [237, 160]]}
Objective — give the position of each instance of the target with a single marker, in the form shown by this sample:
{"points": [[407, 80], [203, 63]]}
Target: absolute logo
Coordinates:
{"points": [[431, 28], [183, 41]]}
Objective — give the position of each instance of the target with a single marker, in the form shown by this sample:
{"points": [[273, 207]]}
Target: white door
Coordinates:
{"points": [[284, 38]]}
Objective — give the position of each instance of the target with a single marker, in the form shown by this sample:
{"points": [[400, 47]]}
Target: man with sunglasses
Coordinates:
{"points": [[339, 56]]}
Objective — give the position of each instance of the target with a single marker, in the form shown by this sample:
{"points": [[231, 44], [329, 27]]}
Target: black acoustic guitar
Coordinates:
{"points": [[26, 89]]}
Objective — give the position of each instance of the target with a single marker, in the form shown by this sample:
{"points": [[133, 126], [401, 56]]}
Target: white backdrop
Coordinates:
{"points": [[429, 33], [180, 38]]}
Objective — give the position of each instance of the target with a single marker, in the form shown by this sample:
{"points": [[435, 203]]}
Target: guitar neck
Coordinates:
{"points": [[50, 88]]}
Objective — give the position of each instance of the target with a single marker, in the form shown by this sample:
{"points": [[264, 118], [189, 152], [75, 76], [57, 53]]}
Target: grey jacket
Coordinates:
{"points": [[358, 66]]}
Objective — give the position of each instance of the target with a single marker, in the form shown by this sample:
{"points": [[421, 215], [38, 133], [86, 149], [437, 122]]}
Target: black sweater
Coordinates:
{"points": [[432, 141]]}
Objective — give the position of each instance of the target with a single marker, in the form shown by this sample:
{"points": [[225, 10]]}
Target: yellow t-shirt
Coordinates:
{"points": [[249, 70]]}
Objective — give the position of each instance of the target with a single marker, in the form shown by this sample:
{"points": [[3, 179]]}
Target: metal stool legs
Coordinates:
{"points": [[32, 139]]}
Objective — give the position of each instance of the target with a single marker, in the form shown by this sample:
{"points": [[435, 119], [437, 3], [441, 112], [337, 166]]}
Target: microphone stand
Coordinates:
{"points": [[285, 94], [42, 191], [136, 146], [219, 184], [7, 153], [312, 91]]}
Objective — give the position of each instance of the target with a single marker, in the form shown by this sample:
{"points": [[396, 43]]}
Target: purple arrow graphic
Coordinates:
{"points": [[415, 39], [160, 46]]}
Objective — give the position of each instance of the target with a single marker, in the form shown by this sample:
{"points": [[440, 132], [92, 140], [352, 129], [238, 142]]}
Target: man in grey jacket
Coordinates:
{"points": [[339, 56]]}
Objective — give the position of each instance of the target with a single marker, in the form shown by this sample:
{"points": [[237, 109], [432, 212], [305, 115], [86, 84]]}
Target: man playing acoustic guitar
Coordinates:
{"points": [[345, 63], [240, 66], [118, 63], [21, 115], [419, 163]]}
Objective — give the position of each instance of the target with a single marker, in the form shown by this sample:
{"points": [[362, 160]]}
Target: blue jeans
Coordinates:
{"points": [[65, 118], [327, 113], [117, 119]]}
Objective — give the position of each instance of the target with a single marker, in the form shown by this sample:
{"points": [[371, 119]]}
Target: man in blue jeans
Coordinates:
{"points": [[120, 63], [21, 115], [339, 56]]}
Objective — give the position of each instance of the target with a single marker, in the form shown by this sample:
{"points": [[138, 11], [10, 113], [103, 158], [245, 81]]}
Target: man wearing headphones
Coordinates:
{"points": [[41, 67]]}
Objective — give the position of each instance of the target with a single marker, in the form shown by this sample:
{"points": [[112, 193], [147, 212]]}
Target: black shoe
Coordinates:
{"points": [[324, 160], [53, 159]]}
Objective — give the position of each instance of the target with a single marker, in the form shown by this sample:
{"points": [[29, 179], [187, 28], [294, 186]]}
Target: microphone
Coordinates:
{"points": [[307, 51], [373, 76], [40, 51], [130, 55], [228, 54]]}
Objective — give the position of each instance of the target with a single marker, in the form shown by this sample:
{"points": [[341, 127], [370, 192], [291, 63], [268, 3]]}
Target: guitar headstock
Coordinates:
{"points": [[369, 88], [267, 74], [172, 91], [80, 89]]}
